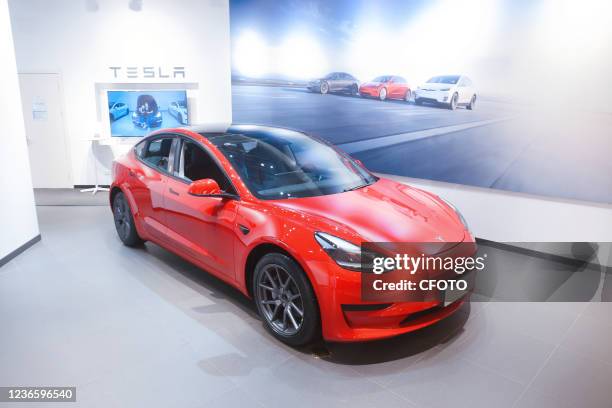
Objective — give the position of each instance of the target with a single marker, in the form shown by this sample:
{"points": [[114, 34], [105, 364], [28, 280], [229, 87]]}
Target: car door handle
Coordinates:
{"points": [[171, 191]]}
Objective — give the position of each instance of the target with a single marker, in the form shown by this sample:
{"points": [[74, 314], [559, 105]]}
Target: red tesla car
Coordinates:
{"points": [[386, 87], [279, 215]]}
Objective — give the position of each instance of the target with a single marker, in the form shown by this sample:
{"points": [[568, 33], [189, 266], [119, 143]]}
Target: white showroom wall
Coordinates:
{"points": [[18, 221], [82, 39]]}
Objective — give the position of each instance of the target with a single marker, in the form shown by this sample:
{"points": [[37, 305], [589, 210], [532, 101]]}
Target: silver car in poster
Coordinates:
{"points": [[335, 82]]}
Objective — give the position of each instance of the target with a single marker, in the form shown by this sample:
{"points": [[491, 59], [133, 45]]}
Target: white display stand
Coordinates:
{"points": [[96, 141]]}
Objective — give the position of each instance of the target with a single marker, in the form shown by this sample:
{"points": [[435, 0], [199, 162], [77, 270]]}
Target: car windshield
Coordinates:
{"points": [[446, 79], [182, 104], [385, 78], [279, 164]]}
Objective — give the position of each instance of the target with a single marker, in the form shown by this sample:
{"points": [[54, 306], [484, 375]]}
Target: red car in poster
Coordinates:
{"points": [[279, 215], [386, 87]]}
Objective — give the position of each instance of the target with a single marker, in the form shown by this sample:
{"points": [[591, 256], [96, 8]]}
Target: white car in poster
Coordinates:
{"points": [[117, 110], [449, 90], [178, 109]]}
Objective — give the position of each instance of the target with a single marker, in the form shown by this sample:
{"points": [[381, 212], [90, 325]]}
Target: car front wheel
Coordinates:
{"points": [[324, 88], [382, 95], [285, 300]]}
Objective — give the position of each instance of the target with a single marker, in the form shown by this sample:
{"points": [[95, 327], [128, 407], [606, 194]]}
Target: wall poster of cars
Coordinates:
{"points": [[136, 113], [502, 94]]}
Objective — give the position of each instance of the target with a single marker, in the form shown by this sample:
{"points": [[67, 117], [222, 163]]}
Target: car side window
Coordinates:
{"points": [[196, 164], [157, 153], [139, 149]]}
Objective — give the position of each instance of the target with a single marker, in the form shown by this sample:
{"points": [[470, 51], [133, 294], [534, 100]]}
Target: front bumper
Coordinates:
{"points": [[345, 317], [372, 92], [314, 86], [432, 96]]}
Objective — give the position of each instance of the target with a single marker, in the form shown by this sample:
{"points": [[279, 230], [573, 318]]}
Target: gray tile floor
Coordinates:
{"points": [[143, 328]]}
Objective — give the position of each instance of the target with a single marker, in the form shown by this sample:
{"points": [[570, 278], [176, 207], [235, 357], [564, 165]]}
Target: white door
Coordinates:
{"points": [[41, 99]]}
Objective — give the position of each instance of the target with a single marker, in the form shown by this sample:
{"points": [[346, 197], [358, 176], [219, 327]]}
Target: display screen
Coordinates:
{"points": [[136, 113]]}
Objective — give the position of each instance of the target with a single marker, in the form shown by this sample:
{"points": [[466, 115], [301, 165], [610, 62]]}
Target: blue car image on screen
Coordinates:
{"points": [[178, 109], [135, 113], [117, 110], [147, 114]]}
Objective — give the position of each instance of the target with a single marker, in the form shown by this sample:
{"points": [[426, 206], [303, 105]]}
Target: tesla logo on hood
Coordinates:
{"points": [[148, 72], [440, 238]]}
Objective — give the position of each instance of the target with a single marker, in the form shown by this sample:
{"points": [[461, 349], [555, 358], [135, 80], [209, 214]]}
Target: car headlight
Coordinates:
{"points": [[461, 217], [347, 255]]}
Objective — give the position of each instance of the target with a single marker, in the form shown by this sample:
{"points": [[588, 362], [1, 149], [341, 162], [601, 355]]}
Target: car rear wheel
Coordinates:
{"points": [[355, 90], [453, 102], [408, 95], [382, 95], [324, 88], [472, 104], [285, 300], [124, 221]]}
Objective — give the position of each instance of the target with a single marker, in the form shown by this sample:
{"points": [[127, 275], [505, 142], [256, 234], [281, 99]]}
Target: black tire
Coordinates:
{"points": [[124, 221], [324, 88], [418, 101], [309, 328], [472, 104], [355, 90], [452, 105]]}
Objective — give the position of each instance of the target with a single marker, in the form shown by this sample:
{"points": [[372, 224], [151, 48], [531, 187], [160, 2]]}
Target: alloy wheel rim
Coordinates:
{"points": [[280, 300], [122, 219]]}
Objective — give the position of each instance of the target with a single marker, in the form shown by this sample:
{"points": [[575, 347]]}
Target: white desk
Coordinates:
{"points": [[96, 141]]}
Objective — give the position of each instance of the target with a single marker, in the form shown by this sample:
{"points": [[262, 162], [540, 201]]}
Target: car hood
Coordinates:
{"points": [[436, 86], [385, 211], [371, 84]]}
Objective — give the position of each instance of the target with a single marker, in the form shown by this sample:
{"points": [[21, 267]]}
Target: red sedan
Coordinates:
{"points": [[386, 87], [280, 216]]}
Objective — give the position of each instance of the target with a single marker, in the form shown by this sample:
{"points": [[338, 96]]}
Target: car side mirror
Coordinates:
{"points": [[207, 188]]}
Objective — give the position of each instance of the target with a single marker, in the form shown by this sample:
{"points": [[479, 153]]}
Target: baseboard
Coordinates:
{"points": [[19, 250], [543, 255], [78, 186]]}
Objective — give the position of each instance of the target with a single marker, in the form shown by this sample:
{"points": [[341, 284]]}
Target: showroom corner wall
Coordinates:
{"points": [[82, 39], [18, 221]]}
